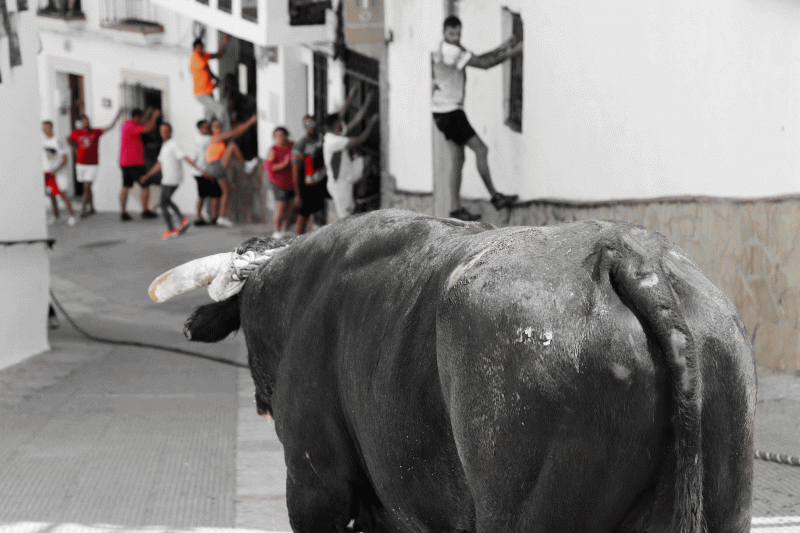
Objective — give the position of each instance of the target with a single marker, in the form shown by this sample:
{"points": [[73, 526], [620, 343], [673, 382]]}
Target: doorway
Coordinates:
{"points": [[363, 72], [237, 70]]}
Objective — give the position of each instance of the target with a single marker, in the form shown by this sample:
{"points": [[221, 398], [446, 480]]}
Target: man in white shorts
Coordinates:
{"points": [[85, 142]]}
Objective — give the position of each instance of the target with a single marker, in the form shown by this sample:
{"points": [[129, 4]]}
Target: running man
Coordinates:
{"points": [[449, 79], [85, 142]]}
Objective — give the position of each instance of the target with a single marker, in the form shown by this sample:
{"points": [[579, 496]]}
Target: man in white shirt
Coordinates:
{"points": [[170, 159], [449, 79], [54, 164], [206, 188], [342, 168]]}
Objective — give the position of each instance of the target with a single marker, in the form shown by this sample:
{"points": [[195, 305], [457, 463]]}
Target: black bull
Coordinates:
{"points": [[432, 375]]}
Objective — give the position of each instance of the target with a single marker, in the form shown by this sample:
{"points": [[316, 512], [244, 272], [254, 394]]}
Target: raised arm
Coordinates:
{"points": [[113, 123], [238, 130], [347, 101], [150, 122], [222, 48], [361, 112], [492, 58], [203, 172], [355, 141]]}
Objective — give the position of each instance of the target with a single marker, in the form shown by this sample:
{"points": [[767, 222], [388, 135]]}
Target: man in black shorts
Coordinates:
{"points": [[207, 187], [449, 78], [131, 158], [309, 175]]}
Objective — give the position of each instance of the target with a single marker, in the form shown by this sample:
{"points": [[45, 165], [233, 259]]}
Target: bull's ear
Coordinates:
{"points": [[213, 322]]}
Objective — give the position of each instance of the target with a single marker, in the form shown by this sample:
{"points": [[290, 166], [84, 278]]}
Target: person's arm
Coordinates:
{"points": [[278, 166], [113, 123], [355, 141], [361, 112], [238, 130], [347, 101], [492, 58], [203, 172], [222, 48], [61, 163], [72, 142], [150, 172], [150, 123], [297, 175]]}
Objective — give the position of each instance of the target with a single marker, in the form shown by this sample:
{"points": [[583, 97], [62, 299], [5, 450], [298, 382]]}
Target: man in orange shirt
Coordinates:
{"points": [[204, 82]]}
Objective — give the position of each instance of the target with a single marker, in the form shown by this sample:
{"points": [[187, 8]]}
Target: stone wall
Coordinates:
{"points": [[747, 248]]}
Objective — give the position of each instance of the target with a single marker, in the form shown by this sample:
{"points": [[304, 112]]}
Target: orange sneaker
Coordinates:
{"points": [[169, 234], [183, 226]]}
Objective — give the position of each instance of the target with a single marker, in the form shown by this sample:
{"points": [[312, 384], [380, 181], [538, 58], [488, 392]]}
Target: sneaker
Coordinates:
{"points": [[183, 226], [71, 221], [169, 234], [222, 221], [125, 217], [250, 166], [277, 234], [149, 214], [463, 214], [200, 222], [499, 201], [89, 211]]}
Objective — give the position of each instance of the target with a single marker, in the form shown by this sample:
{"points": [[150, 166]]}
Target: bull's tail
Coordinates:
{"points": [[641, 277]]}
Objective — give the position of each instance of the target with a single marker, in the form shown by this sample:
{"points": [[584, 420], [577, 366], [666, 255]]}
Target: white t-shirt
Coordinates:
{"points": [[337, 158], [449, 77], [52, 152], [170, 158], [200, 146]]}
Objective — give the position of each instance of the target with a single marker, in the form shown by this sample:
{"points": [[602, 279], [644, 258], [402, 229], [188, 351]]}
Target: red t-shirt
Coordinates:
{"points": [[281, 178], [87, 142], [131, 147]]}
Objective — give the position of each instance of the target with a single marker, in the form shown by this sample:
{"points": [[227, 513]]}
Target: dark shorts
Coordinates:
{"points": [[133, 174], [455, 126], [313, 197], [207, 188], [281, 195]]}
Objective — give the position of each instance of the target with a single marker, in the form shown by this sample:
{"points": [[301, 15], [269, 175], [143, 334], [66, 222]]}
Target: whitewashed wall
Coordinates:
{"points": [[105, 57], [621, 100], [24, 268]]}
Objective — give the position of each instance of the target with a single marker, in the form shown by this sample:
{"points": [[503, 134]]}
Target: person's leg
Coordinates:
{"points": [[55, 205], [223, 200], [166, 194], [67, 202], [482, 161], [232, 152], [279, 218], [85, 197], [199, 215], [145, 198], [302, 221], [456, 152], [123, 198], [214, 208]]}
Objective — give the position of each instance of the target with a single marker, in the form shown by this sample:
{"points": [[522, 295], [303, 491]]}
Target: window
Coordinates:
{"points": [[250, 10], [60, 8], [514, 107], [308, 12], [225, 6]]}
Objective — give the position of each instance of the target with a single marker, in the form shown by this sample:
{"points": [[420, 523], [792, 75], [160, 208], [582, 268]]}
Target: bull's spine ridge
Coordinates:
{"points": [[644, 286]]}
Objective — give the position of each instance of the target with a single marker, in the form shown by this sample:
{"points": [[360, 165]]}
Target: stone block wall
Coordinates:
{"points": [[747, 248]]}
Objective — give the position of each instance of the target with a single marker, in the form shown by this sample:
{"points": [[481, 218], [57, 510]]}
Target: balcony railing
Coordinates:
{"points": [[129, 15], [62, 9]]}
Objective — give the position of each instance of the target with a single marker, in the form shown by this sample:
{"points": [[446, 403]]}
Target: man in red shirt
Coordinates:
{"points": [[85, 142], [204, 81], [131, 157]]}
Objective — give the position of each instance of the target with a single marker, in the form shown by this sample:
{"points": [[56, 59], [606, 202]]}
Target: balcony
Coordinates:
{"points": [[129, 15], [63, 15], [265, 23]]}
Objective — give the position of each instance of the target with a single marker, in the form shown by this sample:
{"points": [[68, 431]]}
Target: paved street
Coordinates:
{"points": [[101, 437]]}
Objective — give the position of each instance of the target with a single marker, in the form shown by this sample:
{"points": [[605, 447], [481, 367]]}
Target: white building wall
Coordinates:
{"points": [[621, 100], [24, 268], [106, 58]]}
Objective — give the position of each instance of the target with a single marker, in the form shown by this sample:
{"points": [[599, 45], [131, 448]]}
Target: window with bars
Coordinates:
{"points": [[60, 8], [514, 115], [308, 12], [136, 15]]}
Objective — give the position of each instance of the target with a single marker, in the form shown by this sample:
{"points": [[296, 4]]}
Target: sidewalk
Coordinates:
{"points": [[107, 437]]}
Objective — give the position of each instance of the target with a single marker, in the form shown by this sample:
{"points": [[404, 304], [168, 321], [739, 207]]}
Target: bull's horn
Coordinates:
{"points": [[189, 276]]}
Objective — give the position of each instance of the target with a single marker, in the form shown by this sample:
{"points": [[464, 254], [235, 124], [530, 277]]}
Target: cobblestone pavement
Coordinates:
{"points": [[103, 438]]}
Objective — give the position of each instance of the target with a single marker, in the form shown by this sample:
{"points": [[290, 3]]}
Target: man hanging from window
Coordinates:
{"points": [[204, 82], [449, 79]]}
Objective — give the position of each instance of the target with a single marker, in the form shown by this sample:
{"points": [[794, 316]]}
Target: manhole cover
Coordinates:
{"points": [[99, 244]]}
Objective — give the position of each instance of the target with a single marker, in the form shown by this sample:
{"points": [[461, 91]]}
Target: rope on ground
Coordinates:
{"points": [[778, 458], [141, 344]]}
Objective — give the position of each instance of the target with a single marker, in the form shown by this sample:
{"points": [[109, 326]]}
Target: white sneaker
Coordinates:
{"points": [[71, 221], [250, 166], [277, 234], [222, 221]]}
